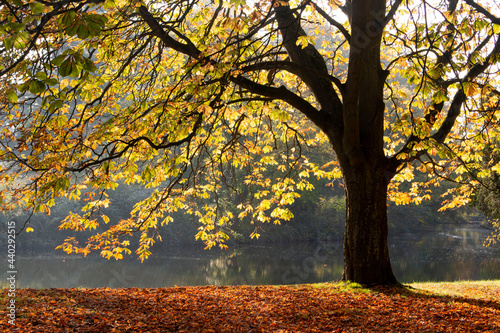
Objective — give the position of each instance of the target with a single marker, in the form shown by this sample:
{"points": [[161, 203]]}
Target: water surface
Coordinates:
{"points": [[446, 255]]}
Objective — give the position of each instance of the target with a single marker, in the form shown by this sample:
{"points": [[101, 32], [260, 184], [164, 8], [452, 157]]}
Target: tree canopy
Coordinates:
{"points": [[487, 197], [201, 100]]}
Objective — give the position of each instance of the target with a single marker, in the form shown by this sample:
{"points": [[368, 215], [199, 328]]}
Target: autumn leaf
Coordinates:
{"points": [[327, 307]]}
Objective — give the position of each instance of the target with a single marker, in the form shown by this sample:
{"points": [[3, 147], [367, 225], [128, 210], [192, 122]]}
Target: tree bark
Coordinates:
{"points": [[366, 254], [364, 164]]}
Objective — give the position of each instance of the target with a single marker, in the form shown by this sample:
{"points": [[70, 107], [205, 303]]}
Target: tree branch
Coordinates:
{"points": [[309, 58], [157, 30], [283, 94], [483, 11], [453, 111], [332, 21], [293, 68], [132, 143], [392, 12]]}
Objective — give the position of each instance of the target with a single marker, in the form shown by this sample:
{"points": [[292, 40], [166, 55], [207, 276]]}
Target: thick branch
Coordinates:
{"points": [[453, 111], [157, 30], [293, 68], [392, 12], [285, 95], [307, 56], [332, 21], [483, 11], [460, 96]]}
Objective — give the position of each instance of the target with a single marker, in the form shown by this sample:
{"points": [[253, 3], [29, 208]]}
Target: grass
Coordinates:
{"points": [[343, 287], [488, 290]]}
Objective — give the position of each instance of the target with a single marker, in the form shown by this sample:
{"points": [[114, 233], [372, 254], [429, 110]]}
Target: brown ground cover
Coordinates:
{"points": [[335, 307]]}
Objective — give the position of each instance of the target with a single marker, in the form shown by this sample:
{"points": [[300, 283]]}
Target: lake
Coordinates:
{"points": [[448, 254]]}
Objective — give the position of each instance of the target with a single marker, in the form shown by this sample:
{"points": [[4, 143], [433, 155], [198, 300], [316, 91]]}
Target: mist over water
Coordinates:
{"points": [[451, 254]]}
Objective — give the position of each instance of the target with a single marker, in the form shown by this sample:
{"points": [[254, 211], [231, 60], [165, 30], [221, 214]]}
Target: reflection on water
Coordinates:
{"points": [[455, 254], [447, 255]]}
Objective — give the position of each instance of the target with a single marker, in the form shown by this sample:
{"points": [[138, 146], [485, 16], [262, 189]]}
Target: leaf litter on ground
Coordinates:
{"points": [[328, 307]]}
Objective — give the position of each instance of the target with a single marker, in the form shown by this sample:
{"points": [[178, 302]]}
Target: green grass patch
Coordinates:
{"points": [[336, 287], [488, 290]]}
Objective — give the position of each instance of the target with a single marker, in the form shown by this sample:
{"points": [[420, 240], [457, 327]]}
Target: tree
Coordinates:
{"points": [[487, 197], [181, 95]]}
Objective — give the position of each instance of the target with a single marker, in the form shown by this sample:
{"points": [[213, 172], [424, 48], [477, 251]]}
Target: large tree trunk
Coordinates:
{"points": [[355, 127], [364, 164], [366, 255]]}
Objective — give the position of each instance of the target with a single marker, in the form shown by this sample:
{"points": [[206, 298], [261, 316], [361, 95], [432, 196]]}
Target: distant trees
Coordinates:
{"points": [[487, 197]]}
